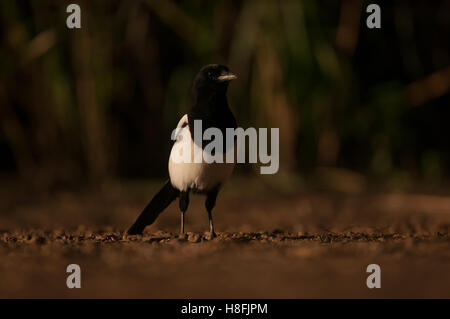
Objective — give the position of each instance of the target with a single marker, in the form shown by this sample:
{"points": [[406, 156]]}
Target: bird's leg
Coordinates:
{"points": [[182, 223], [211, 225], [209, 204], [184, 203]]}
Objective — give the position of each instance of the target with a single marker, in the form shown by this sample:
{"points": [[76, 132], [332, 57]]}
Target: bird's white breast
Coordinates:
{"points": [[201, 177]]}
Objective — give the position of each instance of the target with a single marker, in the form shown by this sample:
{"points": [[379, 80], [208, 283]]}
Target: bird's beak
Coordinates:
{"points": [[226, 77]]}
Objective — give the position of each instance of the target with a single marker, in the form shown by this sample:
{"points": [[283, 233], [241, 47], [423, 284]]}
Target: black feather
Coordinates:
{"points": [[160, 201], [209, 100]]}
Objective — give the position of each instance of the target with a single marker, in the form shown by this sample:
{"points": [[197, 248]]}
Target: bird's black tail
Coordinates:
{"points": [[160, 201]]}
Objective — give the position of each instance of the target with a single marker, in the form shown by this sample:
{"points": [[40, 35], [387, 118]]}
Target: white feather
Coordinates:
{"points": [[201, 177]]}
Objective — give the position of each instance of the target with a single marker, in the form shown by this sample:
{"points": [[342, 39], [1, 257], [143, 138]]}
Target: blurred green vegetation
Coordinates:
{"points": [[91, 104]]}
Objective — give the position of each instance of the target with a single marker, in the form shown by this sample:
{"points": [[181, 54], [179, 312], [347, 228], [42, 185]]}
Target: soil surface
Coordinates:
{"points": [[269, 245]]}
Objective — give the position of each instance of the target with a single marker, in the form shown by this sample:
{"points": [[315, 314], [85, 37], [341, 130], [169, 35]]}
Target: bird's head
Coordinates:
{"points": [[213, 76]]}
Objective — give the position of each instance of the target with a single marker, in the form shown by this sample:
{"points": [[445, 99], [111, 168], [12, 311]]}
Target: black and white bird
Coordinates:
{"points": [[208, 104]]}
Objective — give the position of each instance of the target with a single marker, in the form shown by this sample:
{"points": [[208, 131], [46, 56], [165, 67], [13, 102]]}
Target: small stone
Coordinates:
{"points": [[194, 238]]}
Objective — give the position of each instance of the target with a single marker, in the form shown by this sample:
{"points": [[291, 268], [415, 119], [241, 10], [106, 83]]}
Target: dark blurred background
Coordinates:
{"points": [[355, 106]]}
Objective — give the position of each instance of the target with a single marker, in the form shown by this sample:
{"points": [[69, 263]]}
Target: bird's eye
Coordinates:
{"points": [[209, 74]]}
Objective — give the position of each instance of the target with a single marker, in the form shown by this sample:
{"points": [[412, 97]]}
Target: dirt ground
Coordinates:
{"points": [[302, 244]]}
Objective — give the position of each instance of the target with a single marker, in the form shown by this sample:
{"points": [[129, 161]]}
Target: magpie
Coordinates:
{"points": [[208, 103]]}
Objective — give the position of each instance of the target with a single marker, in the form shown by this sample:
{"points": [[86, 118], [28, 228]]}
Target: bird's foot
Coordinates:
{"points": [[210, 235], [182, 236]]}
